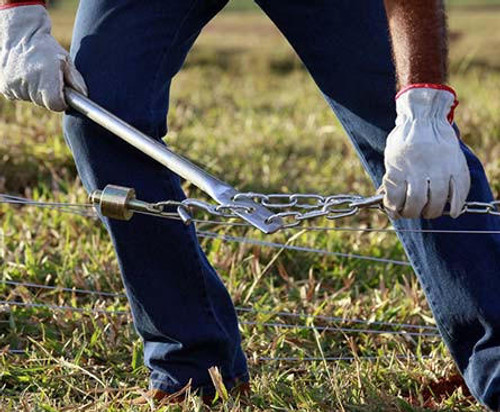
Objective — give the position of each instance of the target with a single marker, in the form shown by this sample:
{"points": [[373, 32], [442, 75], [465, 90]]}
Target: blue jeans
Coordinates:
{"points": [[128, 52]]}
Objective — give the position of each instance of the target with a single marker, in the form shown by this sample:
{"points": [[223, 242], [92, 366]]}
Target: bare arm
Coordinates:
{"points": [[419, 37]]}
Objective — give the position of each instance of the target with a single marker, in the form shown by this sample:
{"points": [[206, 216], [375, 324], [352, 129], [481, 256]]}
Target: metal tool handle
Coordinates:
{"points": [[154, 149], [215, 188]]}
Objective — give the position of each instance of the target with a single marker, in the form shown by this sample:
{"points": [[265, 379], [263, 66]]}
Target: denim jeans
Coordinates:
{"points": [[128, 52]]}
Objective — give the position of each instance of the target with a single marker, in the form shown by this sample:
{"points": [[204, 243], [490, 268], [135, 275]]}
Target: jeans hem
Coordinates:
{"points": [[165, 384]]}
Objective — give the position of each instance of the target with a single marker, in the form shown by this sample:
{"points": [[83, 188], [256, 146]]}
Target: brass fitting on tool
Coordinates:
{"points": [[120, 203], [114, 201]]}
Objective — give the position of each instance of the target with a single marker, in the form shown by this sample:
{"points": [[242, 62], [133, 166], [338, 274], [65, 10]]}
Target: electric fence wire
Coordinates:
{"points": [[301, 359], [212, 235], [296, 315], [347, 358], [72, 208], [267, 325], [82, 210], [246, 240], [255, 242], [297, 359], [9, 303], [62, 289], [340, 329], [249, 241]]}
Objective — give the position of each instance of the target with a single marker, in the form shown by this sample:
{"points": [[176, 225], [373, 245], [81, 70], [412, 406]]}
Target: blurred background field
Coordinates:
{"points": [[244, 107]]}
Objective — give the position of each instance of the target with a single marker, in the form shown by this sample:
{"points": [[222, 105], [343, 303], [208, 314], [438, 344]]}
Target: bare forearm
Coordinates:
{"points": [[5, 4], [419, 37]]}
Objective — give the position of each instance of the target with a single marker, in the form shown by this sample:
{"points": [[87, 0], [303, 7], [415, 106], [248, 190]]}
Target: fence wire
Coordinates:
{"points": [[347, 358], [255, 242], [7, 303], [306, 316], [62, 289], [85, 210], [329, 359], [301, 359], [82, 209]]}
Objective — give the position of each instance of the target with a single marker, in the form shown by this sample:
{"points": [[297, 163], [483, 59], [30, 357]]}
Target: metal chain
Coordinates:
{"points": [[292, 209], [295, 209]]}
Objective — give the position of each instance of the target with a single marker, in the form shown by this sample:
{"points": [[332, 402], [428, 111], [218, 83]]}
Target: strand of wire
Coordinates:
{"points": [[71, 208], [63, 289], [304, 358], [339, 329], [307, 316], [201, 222], [347, 358], [81, 209], [255, 242], [262, 243], [32, 305]]}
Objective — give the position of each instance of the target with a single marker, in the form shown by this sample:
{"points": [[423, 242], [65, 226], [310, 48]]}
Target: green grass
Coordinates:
{"points": [[241, 6], [473, 3], [265, 129]]}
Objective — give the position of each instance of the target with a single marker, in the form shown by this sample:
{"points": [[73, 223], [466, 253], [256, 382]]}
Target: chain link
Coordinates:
{"points": [[295, 209], [292, 210], [307, 207]]}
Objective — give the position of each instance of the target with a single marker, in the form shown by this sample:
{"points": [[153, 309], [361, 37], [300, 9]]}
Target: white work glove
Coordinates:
{"points": [[33, 66], [425, 166]]}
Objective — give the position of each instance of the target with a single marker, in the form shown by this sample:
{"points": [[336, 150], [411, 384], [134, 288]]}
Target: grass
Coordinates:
{"points": [[473, 3], [265, 129]]}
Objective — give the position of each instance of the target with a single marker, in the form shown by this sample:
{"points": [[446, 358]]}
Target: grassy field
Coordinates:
{"points": [[265, 129]]}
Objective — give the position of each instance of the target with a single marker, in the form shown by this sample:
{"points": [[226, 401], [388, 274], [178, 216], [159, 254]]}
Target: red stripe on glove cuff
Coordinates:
{"points": [[451, 115], [8, 4]]}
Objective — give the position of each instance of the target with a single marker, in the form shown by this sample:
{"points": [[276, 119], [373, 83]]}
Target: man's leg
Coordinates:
{"points": [[128, 51], [345, 46]]}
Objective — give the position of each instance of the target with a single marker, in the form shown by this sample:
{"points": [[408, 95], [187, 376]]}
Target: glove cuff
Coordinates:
{"points": [[451, 114], [9, 4]]}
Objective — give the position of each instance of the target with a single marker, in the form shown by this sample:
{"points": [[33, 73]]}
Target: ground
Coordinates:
{"points": [[265, 129]]}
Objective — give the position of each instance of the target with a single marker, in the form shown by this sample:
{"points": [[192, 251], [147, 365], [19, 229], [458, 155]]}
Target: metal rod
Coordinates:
{"points": [[218, 190]]}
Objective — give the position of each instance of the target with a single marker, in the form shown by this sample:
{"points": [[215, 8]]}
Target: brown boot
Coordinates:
{"points": [[156, 395]]}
